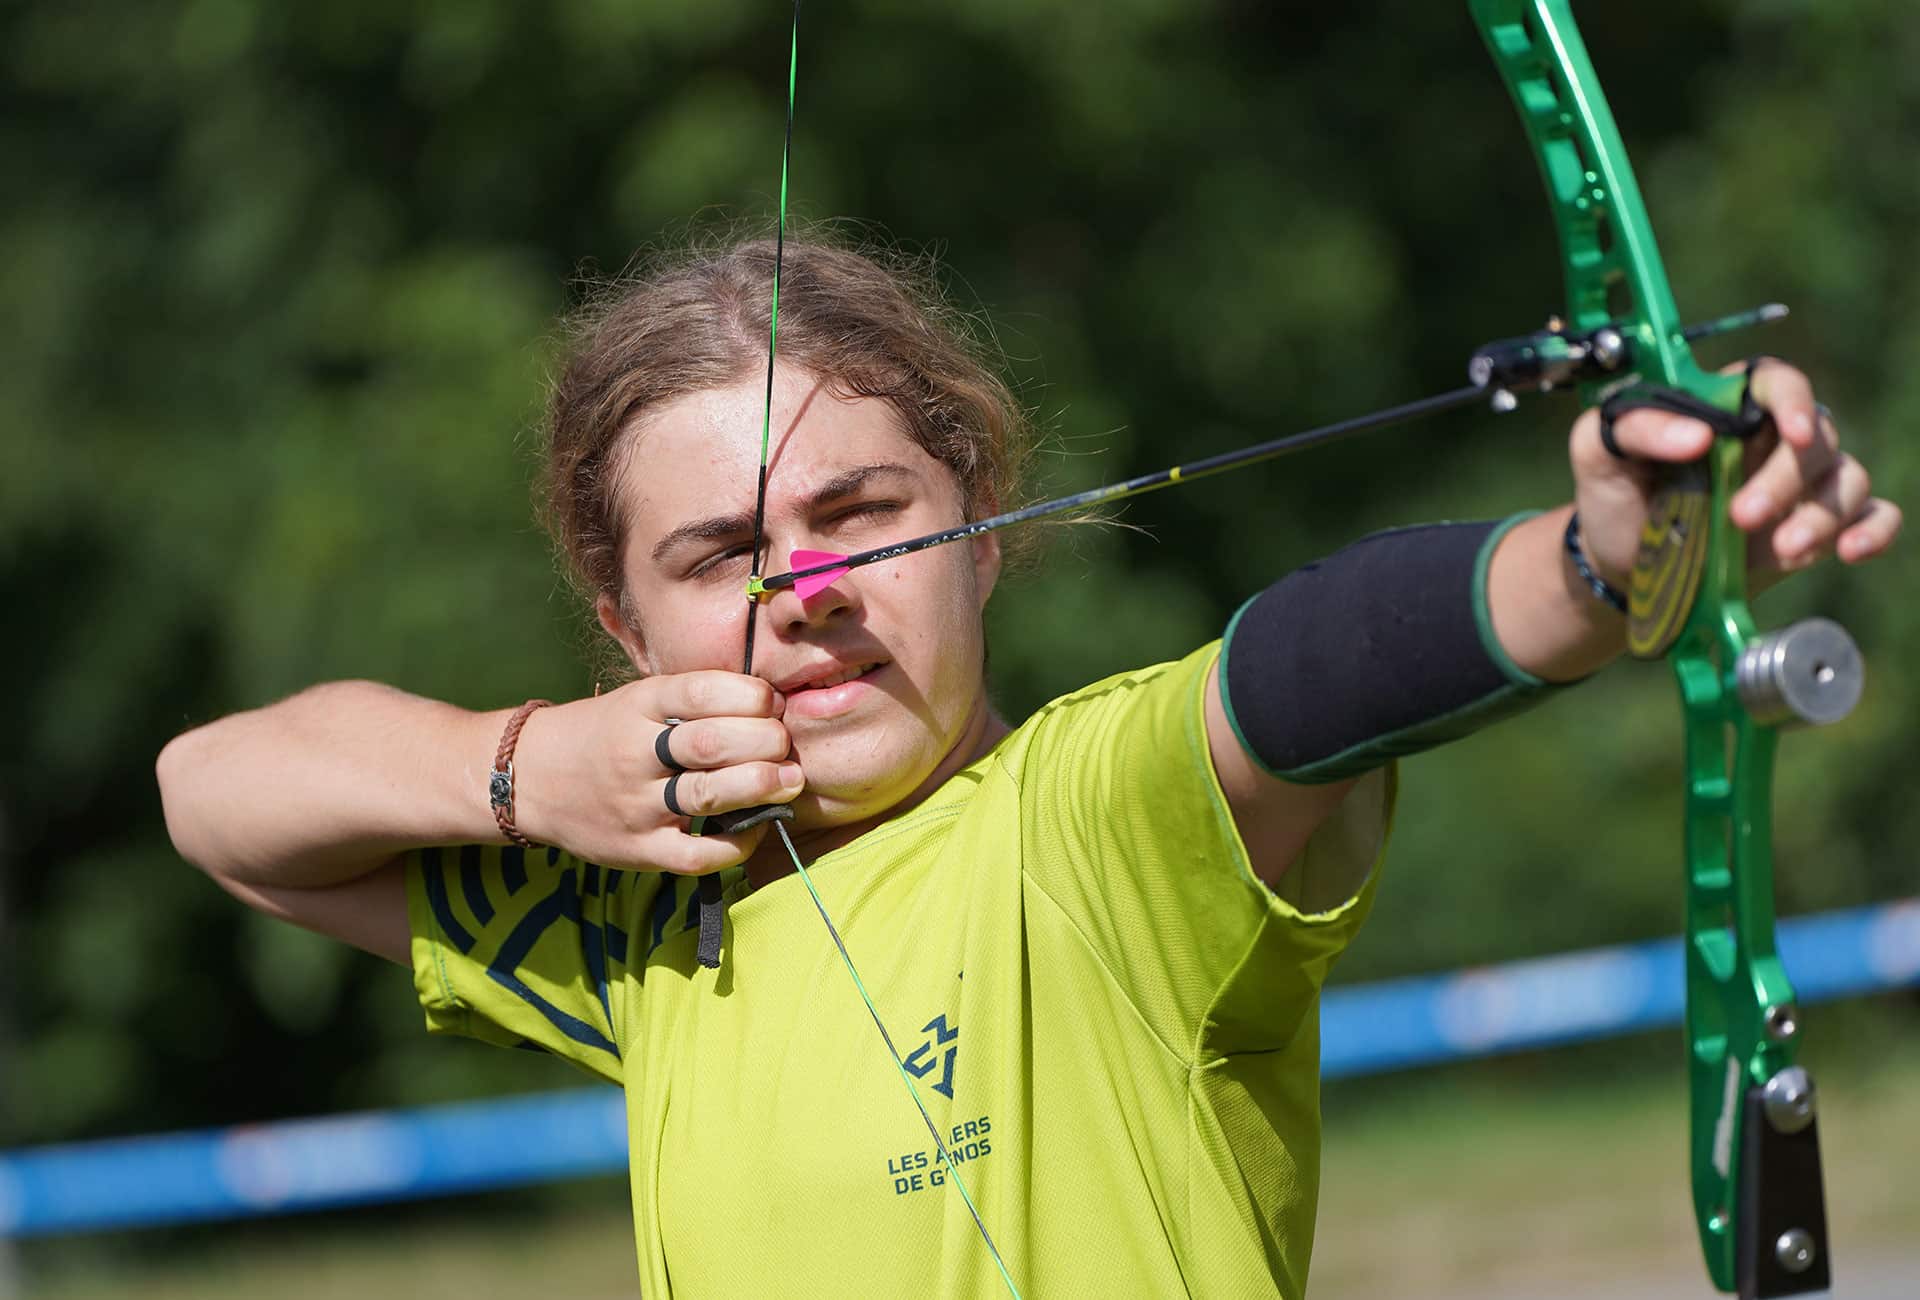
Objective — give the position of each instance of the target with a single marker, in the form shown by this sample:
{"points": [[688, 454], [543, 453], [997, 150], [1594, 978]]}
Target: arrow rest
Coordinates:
{"points": [[1557, 357], [1550, 358]]}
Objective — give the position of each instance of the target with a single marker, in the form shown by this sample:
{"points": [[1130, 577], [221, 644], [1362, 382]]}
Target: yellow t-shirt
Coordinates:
{"points": [[1113, 1022]]}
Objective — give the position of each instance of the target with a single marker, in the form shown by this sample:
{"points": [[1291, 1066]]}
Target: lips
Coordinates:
{"points": [[822, 676]]}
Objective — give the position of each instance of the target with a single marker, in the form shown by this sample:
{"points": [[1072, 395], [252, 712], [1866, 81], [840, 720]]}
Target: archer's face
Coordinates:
{"points": [[883, 671]]}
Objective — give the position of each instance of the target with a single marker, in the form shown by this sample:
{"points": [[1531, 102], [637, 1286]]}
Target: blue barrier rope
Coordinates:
{"points": [[377, 1156]]}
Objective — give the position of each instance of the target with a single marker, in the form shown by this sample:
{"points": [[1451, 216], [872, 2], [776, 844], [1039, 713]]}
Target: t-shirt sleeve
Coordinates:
{"points": [[524, 948], [1126, 830]]}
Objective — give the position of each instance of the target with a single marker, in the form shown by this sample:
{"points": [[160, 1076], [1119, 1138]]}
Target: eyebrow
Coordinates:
{"points": [[847, 483]]}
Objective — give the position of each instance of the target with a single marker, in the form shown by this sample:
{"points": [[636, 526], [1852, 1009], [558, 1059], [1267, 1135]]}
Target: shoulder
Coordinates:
{"points": [[1160, 706]]}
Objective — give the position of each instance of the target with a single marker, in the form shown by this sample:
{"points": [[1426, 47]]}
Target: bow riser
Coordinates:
{"points": [[1755, 1155]]}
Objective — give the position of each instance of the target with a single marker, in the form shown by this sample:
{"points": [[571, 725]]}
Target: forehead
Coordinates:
{"points": [[699, 455]]}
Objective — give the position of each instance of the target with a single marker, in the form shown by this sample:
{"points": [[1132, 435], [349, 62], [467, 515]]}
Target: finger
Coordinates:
{"points": [[700, 855], [701, 793], [1592, 460], [1787, 395], [1811, 527], [711, 693], [1646, 433], [1788, 474], [1871, 531], [722, 742]]}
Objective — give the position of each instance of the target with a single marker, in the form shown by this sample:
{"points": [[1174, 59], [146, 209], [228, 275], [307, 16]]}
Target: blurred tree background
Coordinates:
{"points": [[278, 284]]}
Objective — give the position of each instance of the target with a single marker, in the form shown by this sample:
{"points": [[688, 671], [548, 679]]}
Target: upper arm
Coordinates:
{"points": [[1140, 817], [1275, 818], [369, 911]]}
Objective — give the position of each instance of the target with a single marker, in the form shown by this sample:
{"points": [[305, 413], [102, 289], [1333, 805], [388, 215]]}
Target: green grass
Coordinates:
{"points": [[1523, 1178]]}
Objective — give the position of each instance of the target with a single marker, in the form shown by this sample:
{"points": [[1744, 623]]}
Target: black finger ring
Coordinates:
{"points": [[1612, 409], [1606, 435], [672, 796], [663, 749]]}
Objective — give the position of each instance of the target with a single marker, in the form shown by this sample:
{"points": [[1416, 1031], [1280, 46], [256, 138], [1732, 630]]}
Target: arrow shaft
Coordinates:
{"points": [[1145, 483], [1210, 465]]}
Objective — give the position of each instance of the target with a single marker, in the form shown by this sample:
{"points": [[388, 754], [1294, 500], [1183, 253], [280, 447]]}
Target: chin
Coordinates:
{"points": [[845, 792]]}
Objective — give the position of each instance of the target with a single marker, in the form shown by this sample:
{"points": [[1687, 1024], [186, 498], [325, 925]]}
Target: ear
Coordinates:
{"points": [[986, 565], [615, 625]]}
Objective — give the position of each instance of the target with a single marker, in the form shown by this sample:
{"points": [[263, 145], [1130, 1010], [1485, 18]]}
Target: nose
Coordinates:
{"points": [[814, 601]]}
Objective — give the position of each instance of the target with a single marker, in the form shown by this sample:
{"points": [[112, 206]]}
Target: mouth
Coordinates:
{"points": [[824, 677]]}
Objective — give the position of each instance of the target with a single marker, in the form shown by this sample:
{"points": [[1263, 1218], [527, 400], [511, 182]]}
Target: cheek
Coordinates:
{"points": [[938, 615], [684, 635]]}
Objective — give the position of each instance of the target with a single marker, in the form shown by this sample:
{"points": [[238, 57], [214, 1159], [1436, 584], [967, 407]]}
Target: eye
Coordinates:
{"points": [[720, 562], [867, 510]]}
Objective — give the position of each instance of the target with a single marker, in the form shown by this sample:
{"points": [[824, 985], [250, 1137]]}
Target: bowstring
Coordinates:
{"points": [[773, 347], [946, 1157], [753, 609]]}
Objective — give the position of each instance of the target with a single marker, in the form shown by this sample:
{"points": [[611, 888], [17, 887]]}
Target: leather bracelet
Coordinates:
{"points": [[500, 779]]}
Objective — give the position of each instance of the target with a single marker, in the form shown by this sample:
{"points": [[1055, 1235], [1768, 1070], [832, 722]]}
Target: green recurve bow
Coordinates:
{"points": [[1754, 1144], [1755, 1147]]}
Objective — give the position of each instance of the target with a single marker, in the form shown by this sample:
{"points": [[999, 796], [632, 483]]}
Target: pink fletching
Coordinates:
{"points": [[808, 588]]}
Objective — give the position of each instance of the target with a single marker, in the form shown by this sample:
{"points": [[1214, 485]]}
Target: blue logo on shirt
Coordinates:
{"points": [[923, 1059]]}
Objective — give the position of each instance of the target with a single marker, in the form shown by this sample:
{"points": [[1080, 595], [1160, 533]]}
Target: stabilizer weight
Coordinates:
{"points": [[1808, 672]]}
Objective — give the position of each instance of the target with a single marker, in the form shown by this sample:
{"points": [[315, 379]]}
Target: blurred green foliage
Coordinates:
{"points": [[277, 284]]}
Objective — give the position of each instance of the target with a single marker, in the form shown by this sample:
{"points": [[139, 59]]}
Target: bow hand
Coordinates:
{"points": [[1803, 498]]}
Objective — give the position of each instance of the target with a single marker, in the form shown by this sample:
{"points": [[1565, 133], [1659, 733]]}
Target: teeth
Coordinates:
{"points": [[839, 677]]}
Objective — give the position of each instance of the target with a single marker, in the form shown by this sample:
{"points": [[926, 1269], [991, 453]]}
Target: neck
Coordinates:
{"points": [[769, 861]]}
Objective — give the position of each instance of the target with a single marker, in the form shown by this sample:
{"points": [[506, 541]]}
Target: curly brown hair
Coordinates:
{"points": [[869, 323]]}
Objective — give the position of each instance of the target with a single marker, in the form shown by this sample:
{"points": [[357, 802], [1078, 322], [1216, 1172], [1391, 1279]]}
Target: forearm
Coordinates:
{"points": [[1544, 615], [327, 785], [1386, 648]]}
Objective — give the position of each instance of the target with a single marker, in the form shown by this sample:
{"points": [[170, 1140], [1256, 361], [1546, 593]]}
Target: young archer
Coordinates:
{"points": [[1096, 936]]}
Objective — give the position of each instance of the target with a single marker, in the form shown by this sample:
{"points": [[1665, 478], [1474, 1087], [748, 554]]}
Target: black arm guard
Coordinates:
{"points": [[1381, 649]]}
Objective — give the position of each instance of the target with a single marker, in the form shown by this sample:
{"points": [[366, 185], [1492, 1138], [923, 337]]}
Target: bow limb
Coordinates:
{"points": [[1754, 1144]]}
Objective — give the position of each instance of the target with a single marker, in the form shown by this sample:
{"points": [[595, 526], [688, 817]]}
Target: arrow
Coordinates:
{"points": [[814, 571]]}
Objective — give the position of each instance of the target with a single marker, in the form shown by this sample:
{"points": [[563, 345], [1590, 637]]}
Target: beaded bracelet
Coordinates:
{"points": [[1602, 589]]}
